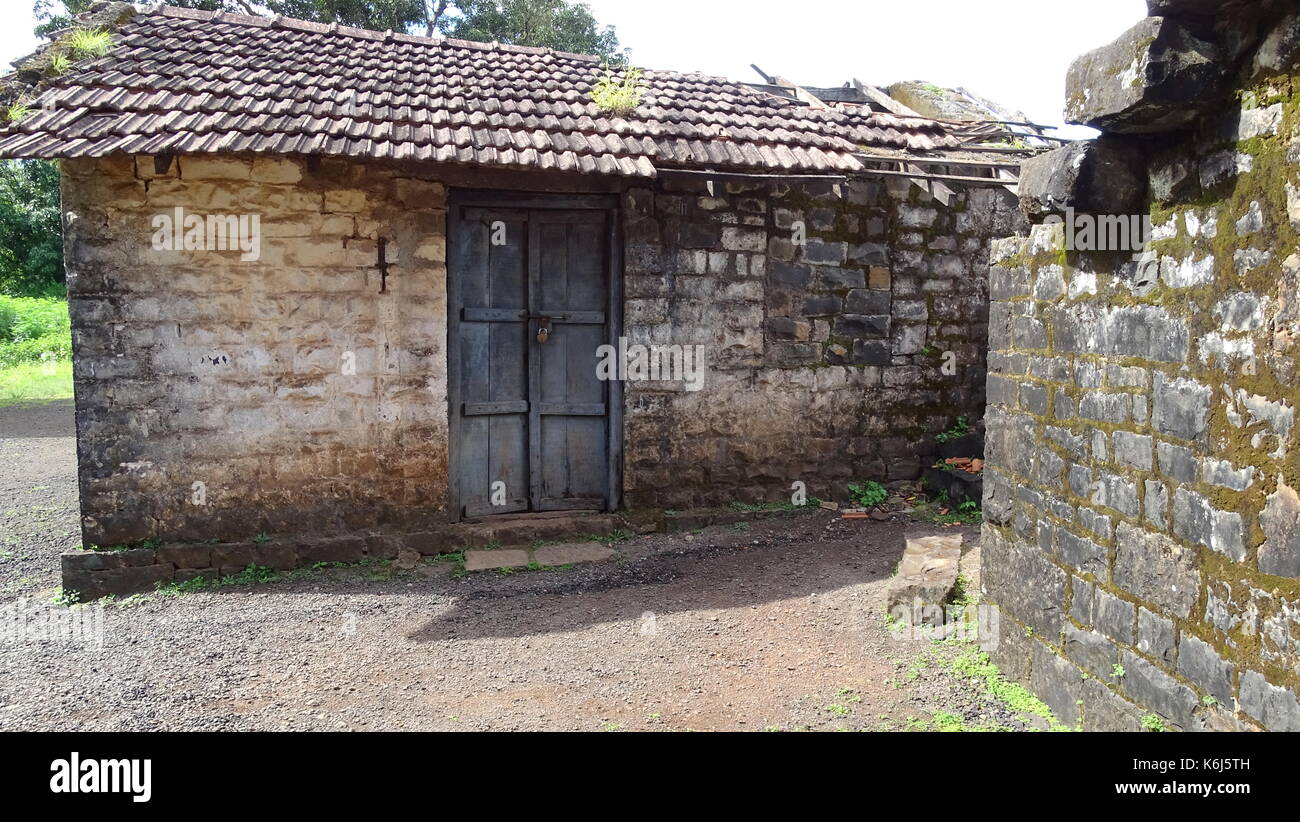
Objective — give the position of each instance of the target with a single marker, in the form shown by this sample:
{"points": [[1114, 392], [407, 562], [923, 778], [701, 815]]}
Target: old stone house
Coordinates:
{"points": [[327, 282]]}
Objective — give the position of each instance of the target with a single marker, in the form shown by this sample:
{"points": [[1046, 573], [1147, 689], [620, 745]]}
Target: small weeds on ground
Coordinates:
{"points": [[65, 598], [1117, 671], [758, 507], [617, 535], [974, 664], [262, 538], [959, 429], [968, 513], [868, 494], [947, 722], [254, 574]]}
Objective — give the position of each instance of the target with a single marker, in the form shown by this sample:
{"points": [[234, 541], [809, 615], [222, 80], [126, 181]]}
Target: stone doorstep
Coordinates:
{"points": [[95, 574], [572, 553], [928, 573]]}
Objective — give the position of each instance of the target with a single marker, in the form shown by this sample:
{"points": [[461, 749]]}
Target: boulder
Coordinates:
{"points": [[1157, 77], [1107, 175]]}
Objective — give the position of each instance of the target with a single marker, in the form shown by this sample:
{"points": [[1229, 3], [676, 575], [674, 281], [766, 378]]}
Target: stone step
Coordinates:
{"points": [[550, 556], [926, 576]]}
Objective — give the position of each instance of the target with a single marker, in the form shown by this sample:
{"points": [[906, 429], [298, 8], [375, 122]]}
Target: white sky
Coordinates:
{"points": [[1014, 52]]}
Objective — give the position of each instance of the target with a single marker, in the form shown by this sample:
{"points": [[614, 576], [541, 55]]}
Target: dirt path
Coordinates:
{"points": [[779, 624]]}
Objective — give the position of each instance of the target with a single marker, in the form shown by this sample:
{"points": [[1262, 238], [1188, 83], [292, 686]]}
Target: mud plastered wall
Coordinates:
{"points": [[1142, 535], [217, 396], [824, 358]]}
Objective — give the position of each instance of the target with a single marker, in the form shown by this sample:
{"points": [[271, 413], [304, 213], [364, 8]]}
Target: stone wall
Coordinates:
{"points": [[218, 397], [825, 359], [1142, 535]]}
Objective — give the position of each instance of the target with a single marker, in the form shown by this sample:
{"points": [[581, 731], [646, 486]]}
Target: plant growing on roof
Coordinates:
{"points": [[619, 95], [17, 110], [59, 63], [84, 43]]}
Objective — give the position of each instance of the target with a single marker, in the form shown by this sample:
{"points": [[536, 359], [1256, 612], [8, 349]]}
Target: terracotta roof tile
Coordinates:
{"points": [[186, 81]]}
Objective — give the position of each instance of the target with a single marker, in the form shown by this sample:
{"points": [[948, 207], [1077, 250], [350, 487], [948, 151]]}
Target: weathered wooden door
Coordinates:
{"points": [[532, 282]]}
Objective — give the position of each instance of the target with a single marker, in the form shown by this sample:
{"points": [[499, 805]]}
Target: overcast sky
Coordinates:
{"points": [[1014, 52]]}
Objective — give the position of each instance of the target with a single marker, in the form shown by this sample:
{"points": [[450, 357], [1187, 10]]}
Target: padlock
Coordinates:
{"points": [[543, 329]]}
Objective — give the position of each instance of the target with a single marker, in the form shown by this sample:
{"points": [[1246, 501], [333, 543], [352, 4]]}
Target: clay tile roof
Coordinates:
{"points": [[186, 81]]}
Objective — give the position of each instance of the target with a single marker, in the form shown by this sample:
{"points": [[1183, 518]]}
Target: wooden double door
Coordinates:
{"points": [[533, 287]]}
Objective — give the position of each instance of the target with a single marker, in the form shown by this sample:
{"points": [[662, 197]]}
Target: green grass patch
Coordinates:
{"points": [[975, 664], [35, 349], [35, 381]]}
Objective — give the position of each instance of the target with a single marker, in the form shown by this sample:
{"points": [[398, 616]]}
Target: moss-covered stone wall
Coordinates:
{"points": [[1142, 536]]}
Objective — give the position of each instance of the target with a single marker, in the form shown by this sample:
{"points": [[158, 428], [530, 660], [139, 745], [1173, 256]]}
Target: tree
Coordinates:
{"points": [[31, 243], [558, 24], [554, 23]]}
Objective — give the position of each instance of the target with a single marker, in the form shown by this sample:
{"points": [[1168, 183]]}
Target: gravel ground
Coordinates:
{"points": [[38, 495], [776, 625]]}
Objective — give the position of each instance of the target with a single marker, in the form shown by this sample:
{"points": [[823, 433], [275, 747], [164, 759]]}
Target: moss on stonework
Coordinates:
{"points": [[1244, 645]]}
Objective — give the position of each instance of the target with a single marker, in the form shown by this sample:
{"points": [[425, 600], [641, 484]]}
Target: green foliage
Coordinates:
{"points": [[549, 23], [975, 664], [959, 429], [1117, 671], [1153, 723], [968, 513], [618, 95], [57, 15], [31, 238], [868, 494], [948, 722], [34, 331], [16, 111], [65, 598]]}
